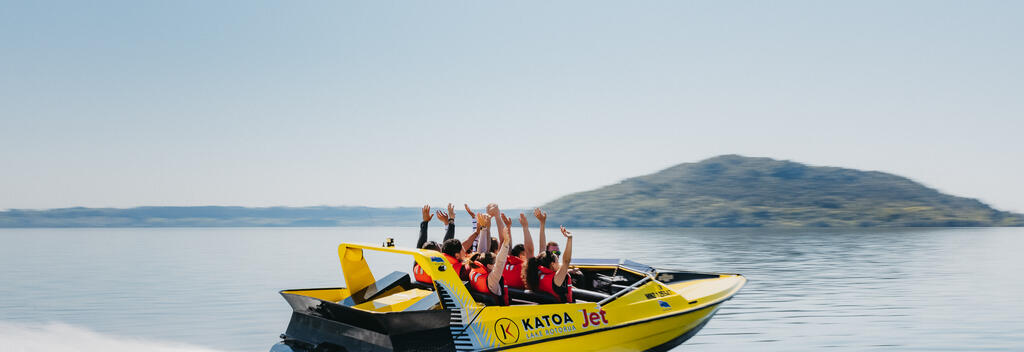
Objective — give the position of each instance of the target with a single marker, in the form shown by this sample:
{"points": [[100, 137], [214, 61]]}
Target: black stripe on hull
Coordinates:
{"points": [[682, 338]]}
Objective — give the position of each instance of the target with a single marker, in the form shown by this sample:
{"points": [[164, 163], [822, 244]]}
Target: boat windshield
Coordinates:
{"points": [[626, 263]]}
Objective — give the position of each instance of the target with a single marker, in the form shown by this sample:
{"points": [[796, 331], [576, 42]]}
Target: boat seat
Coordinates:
{"points": [[388, 283], [544, 298], [580, 294], [519, 302], [530, 296]]}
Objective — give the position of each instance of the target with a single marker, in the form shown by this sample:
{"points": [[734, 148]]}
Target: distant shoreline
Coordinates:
{"points": [[727, 191], [516, 226], [299, 217]]}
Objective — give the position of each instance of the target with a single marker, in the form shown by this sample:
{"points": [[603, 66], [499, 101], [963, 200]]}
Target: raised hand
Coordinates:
{"points": [[506, 220], [470, 211], [451, 212], [522, 220], [493, 210], [563, 270], [506, 235], [483, 220], [541, 216], [426, 213], [443, 216]]}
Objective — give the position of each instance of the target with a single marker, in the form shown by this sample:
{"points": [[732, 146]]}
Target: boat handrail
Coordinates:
{"points": [[625, 290]]}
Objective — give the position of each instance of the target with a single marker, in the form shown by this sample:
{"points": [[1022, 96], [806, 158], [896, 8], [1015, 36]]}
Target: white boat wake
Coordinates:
{"points": [[47, 337]]}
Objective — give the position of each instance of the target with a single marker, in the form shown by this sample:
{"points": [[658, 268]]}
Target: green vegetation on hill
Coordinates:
{"points": [[738, 191]]}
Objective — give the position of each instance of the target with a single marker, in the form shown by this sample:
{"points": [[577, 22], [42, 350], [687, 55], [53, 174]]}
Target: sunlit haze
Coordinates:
{"points": [[122, 104]]}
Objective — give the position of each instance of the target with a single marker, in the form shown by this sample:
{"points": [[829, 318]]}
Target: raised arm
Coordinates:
{"points": [[493, 211], [527, 239], [448, 219], [494, 214], [423, 226], [494, 277], [467, 244], [483, 223], [542, 217], [566, 258], [508, 227], [472, 216]]}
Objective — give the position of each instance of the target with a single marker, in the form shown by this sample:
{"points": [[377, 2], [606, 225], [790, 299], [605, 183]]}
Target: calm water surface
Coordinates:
{"points": [[809, 290]]}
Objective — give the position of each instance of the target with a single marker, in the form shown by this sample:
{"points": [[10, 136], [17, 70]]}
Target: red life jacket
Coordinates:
{"points": [[456, 265], [478, 278], [547, 284], [513, 273], [478, 282], [421, 275]]}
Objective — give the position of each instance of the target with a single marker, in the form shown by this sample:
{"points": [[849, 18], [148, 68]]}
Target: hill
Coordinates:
{"points": [[738, 191]]}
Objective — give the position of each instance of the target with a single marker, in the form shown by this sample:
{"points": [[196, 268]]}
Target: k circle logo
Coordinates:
{"points": [[506, 330]]}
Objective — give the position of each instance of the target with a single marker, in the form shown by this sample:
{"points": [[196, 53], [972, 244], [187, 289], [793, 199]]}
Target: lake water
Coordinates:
{"points": [[215, 289]]}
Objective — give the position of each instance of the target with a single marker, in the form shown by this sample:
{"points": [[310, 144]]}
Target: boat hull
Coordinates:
{"points": [[657, 334], [622, 306]]}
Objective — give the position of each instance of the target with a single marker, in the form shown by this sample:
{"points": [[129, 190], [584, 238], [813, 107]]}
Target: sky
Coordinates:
{"points": [[382, 103]]}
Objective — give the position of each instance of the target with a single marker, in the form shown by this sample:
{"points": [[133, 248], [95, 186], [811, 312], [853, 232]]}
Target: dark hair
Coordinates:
{"points": [[451, 247], [517, 250], [431, 245], [493, 248], [479, 259], [531, 273]]}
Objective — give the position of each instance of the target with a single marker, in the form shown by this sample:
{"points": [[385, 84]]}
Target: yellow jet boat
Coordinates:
{"points": [[620, 306]]}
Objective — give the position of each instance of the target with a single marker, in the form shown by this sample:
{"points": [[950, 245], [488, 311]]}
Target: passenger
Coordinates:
{"points": [[513, 271], [427, 216], [544, 274], [449, 219], [552, 246], [422, 243], [417, 271], [454, 253], [483, 278]]}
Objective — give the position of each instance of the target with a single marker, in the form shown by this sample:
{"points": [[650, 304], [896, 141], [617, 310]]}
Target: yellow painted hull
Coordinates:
{"points": [[660, 309], [665, 332]]}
